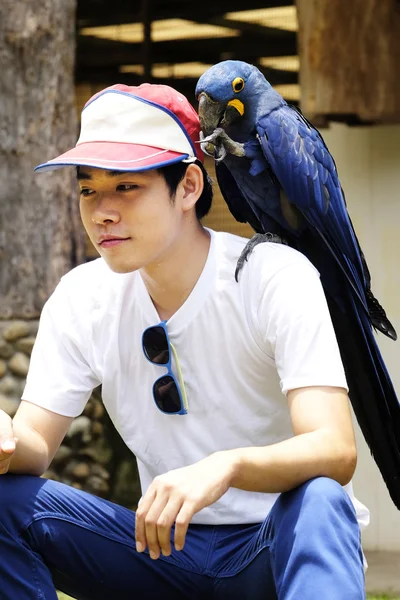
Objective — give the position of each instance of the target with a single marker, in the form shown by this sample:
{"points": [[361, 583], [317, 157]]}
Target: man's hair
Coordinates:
{"points": [[173, 175]]}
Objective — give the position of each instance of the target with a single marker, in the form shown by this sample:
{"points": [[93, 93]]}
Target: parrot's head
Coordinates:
{"points": [[229, 93]]}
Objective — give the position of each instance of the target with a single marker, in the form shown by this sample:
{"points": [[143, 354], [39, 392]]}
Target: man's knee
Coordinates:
{"points": [[318, 501], [323, 490], [317, 513]]}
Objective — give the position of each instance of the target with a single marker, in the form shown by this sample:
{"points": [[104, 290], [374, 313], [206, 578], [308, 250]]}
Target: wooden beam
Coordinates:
{"points": [[95, 14], [279, 76], [111, 75], [349, 60], [245, 27], [96, 52], [186, 86]]}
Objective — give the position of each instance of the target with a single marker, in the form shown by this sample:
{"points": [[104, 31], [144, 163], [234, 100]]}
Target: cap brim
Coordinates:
{"points": [[114, 156]]}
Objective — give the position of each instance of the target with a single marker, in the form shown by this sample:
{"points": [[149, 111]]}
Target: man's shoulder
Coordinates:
{"points": [[89, 284], [229, 242], [274, 267], [266, 259], [87, 277], [87, 272], [271, 257]]}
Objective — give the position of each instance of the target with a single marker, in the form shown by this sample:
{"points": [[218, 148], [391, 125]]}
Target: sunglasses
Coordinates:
{"points": [[169, 395]]}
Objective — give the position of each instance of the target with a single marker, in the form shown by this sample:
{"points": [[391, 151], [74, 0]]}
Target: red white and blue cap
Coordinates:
{"points": [[125, 128]]}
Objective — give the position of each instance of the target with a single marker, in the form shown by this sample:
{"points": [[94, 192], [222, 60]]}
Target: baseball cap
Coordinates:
{"points": [[134, 128]]}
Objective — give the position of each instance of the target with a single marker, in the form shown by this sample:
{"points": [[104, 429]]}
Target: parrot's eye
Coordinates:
{"points": [[238, 84]]}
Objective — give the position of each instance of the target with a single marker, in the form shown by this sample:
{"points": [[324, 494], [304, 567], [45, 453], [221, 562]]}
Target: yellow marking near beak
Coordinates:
{"points": [[238, 105]]}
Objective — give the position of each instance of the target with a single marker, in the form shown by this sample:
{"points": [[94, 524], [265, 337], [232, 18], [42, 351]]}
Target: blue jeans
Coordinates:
{"points": [[51, 534]]}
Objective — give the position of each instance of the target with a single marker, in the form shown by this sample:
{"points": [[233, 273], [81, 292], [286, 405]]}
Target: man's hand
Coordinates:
{"points": [[175, 497], [7, 442]]}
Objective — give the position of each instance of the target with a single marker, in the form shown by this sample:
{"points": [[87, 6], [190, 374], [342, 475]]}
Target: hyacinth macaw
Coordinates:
{"points": [[276, 173]]}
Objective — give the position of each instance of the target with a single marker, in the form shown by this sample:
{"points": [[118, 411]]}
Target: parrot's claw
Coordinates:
{"points": [[213, 137], [219, 153], [211, 145], [258, 238], [206, 146], [218, 144]]}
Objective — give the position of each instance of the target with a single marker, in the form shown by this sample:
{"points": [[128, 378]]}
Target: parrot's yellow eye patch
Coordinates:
{"points": [[238, 84]]}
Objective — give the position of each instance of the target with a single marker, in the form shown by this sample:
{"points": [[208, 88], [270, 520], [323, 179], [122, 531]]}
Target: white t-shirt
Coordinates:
{"points": [[241, 347]]}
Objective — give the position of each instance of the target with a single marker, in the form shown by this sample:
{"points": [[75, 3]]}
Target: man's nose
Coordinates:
{"points": [[105, 210]]}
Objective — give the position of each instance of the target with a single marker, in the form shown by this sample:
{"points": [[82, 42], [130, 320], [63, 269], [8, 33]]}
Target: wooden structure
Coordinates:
{"points": [[350, 56], [183, 31]]}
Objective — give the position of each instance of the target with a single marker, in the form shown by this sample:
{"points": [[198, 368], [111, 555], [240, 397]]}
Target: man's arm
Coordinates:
{"points": [[323, 445], [39, 433]]}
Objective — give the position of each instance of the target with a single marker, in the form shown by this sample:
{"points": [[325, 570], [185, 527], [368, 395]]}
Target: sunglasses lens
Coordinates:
{"points": [[166, 395], [155, 345]]}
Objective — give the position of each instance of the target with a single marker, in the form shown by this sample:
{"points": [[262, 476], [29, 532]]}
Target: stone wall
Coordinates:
{"points": [[93, 456]]}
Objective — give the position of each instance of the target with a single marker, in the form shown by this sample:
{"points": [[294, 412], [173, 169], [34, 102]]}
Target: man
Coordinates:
{"points": [[231, 395]]}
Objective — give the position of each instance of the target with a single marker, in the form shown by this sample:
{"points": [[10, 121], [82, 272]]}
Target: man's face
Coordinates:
{"points": [[129, 217]]}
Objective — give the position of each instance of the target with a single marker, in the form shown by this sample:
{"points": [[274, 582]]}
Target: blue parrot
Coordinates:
{"points": [[276, 173]]}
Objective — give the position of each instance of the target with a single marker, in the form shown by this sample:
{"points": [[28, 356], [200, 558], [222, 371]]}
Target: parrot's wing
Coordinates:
{"points": [[307, 173], [231, 193], [234, 185]]}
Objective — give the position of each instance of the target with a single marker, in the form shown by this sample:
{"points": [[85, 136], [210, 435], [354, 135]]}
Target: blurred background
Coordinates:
{"points": [[337, 60]]}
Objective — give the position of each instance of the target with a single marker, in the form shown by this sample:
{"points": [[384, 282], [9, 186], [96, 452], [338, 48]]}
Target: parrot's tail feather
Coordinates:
{"points": [[371, 391], [378, 317], [375, 311]]}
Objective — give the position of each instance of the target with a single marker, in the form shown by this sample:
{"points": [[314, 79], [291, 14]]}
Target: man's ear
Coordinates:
{"points": [[191, 186]]}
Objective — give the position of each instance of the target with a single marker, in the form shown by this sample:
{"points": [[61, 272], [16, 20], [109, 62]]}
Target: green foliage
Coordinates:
{"points": [[62, 596], [382, 598]]}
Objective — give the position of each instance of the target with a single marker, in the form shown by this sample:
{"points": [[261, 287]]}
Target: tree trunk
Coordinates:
{"points": [[349, 59], [41, 237]]}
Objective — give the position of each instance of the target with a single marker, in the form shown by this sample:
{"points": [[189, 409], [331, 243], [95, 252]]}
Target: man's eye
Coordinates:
{"points": [[86, 191], [125, 187]]}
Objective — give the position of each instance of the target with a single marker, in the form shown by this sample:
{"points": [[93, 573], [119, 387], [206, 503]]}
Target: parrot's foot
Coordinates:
{"points": [[218, 144], [258, 238]]}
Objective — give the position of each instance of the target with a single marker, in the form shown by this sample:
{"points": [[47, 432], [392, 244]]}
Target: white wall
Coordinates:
{"points": [[368, 161]]}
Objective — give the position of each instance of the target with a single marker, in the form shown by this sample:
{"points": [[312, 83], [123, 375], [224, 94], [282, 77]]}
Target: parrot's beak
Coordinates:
{"points": [[234, 110], [210, 113], [217, 114]]}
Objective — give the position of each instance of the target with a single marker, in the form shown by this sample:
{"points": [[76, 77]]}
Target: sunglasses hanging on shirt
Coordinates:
{"points": [[169, 393]]}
